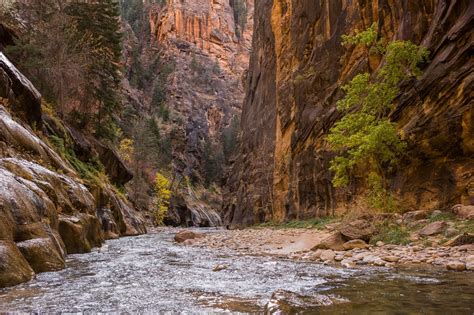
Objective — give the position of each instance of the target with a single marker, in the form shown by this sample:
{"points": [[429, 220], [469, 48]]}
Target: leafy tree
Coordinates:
{"points": [[162, 198], [365, 137]]}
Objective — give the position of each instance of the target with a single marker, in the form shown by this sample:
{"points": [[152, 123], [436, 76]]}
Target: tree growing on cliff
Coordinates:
{"points": [[365, 137], [162, 198]]}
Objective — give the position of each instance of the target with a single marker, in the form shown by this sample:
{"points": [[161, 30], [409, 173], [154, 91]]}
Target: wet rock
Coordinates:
{"points": [[335, 242], [464, 212], [41, 254], [14, 269], [348, 263], [463, 239], [128, 221], [327, 255], [220, 268], [470, 263], [434, 228], [456, 266], [287, 302], [415, 216], [390, 258], [182, 236], [358, 229], [184, 213], [353, 244], [80, 233]]}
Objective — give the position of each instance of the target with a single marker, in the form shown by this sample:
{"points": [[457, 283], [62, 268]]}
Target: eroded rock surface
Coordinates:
{"points": [[46, 210], [296, 70]]}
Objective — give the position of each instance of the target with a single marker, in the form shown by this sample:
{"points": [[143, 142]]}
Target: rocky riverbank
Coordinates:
{"points": [[356, 243]]}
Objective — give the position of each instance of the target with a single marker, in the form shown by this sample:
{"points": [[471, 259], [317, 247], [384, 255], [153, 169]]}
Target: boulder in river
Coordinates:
{"points": [[182, 236], [287, 302]]}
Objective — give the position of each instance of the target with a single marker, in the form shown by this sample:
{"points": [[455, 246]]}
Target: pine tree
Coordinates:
{"points": [[96, 30]]}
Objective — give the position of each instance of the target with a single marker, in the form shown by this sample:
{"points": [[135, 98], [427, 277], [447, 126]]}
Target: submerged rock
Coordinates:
{"points": [[287, 302]]}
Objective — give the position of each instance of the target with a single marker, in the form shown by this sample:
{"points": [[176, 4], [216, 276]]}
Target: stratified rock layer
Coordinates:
{"points": [[297, 67], [46, 211]]}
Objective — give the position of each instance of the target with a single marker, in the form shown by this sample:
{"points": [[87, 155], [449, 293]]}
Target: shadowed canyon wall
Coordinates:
{"points": [[297, 67]]}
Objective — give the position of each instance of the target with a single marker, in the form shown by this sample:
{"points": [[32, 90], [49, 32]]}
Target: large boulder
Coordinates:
{"points": [[182, 236], [80, 233], [358, 229], [41, 254], [334, 241], [14, 269], [433, 228]]}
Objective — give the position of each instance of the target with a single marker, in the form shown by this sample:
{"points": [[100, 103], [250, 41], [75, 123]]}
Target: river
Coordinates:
{"points": [[150, 273]]}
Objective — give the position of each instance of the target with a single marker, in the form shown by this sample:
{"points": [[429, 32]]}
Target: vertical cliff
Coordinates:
{"points": [[297, 67], [210, 53]]}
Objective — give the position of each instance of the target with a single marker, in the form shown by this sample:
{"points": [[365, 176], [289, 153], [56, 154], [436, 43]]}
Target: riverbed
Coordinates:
{"points": [[151, 273]]}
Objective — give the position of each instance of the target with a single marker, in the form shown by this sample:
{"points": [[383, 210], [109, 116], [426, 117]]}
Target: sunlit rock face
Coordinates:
{"points": [[296, 69], [202, 34], [208, 25], [209, 50], [46, 210]]}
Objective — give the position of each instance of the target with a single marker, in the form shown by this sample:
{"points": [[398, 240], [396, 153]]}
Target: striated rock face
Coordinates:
{"points": [[296, 69], [209, 53], [46, 211]]}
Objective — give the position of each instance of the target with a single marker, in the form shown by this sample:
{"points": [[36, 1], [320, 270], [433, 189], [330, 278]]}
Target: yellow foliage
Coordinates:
{"points": [[126, 149], [162, 199]]}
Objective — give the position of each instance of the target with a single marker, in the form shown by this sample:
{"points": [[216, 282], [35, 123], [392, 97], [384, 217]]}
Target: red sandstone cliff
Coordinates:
{"points": [[282, 170]]}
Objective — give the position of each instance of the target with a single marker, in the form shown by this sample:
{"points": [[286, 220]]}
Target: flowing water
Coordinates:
{"points": [[150, 273]]}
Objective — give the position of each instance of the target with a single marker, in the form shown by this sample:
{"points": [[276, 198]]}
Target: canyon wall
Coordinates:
{"points": [[209, 55], [208, 50], [297, 67], [47, 210]]}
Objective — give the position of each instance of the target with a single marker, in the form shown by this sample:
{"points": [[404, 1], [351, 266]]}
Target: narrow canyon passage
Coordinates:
{"points": [[151, 272]]}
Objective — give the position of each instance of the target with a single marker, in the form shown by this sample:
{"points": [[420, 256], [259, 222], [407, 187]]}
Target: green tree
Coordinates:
{"points": [[365, 138], [96, 29]]}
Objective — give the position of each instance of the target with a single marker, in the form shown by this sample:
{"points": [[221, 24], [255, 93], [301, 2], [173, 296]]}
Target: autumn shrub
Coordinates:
{"points": [[162, 198]]}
